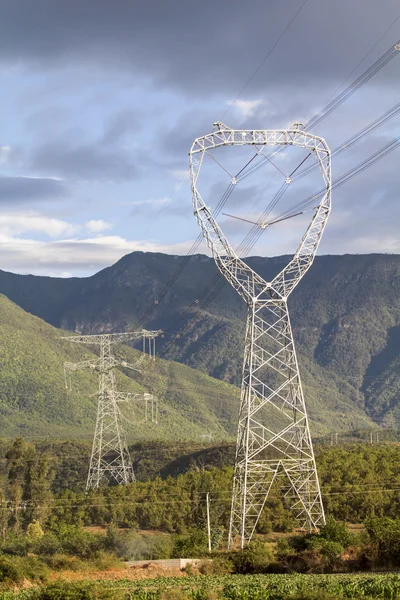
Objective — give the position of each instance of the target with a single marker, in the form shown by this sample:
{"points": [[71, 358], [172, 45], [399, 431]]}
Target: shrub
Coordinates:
{"points": [[74, 540], [334, 531], [66, 591], [384, 534], [190, 546], [34, 531], [132, 546], [16, 568], [16, 545], [10, 570], [220, 565], [34, 569], [325, 547], [254, 558], [105, 561], [64, 562], [48, 545]]}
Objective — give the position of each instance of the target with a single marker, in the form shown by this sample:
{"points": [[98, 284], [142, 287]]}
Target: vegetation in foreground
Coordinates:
{"points": [[239, 587], [47, 530]]}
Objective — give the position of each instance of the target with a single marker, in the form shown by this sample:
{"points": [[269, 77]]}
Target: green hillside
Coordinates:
{"points": [[345, 316], [35, 402]]}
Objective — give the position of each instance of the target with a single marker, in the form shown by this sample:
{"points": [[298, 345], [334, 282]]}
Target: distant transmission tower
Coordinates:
{"points": [[110, 460], [274, 442]]}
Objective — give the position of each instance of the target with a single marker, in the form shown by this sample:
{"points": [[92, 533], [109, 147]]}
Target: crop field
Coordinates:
{"points": [[230, 587]]}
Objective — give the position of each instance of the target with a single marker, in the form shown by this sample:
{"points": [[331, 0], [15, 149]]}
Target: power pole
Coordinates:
{"points": [[208, 521], [110, 460], [274, 440]]}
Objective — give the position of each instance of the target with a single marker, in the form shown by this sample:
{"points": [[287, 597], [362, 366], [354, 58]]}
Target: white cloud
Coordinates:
{"points": [[246, 108], [75, 257], [5, 152], [18, 224], [98, 225]]}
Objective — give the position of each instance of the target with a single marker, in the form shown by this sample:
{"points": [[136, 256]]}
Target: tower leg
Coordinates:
{"points": [[274, 441]]}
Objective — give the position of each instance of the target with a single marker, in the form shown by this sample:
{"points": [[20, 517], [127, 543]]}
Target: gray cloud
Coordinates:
{"points": [[208, 46], [88, 162], [26, 189], [121, 125]]}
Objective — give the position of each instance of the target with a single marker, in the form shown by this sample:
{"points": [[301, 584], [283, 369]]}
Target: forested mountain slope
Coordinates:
{"points": [[345, 316], [34, 400]]}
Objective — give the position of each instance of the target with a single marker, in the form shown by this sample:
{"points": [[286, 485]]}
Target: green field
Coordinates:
{"points": [[233, 587]]}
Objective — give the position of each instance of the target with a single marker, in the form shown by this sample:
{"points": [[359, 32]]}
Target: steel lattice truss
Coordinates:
{"points": [[110, 460], [273, 442]]}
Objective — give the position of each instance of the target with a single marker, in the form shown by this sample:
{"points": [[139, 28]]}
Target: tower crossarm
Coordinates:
{"points": [[112, 338], [246, 281], [128, 396], [84, 364], [133, 367]]}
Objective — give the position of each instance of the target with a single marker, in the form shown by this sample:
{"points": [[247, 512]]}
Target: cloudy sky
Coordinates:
{"points": [[102, 99]]}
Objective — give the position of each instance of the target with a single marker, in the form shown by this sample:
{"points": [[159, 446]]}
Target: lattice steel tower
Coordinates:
{"points": [[273, 442], [110, 460]]}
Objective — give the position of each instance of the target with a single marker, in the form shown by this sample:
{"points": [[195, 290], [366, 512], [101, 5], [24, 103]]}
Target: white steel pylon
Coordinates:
{"points": [[274, 441], [110, 460]]}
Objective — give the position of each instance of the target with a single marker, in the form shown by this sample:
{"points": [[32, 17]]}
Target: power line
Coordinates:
{"points": [[264, 59], [196, 497], [225, 113], [216, 284], [330, 107]]}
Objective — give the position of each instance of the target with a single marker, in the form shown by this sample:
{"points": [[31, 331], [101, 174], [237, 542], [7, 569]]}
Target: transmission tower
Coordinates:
{"points": [[273, 442], [110, 460]]}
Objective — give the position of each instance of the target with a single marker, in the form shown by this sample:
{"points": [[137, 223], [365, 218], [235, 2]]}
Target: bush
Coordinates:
{"points": [[105, 561], [254, 558], [64, 562], [10, 570], [48, 545], [190, 546], [325, 547], [334, 531], [74, 540], [133, 546], [66, 591], [220, 565], [16, 546], [15, 569], [384, 533], [34, 531]]}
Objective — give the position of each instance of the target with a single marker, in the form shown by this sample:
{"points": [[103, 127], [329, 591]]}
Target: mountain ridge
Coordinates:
{"points": [[344, 314]]}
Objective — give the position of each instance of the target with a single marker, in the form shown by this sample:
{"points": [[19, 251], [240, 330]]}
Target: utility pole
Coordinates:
{"points": [[273, 441], [110, 460], [208, 521]]}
